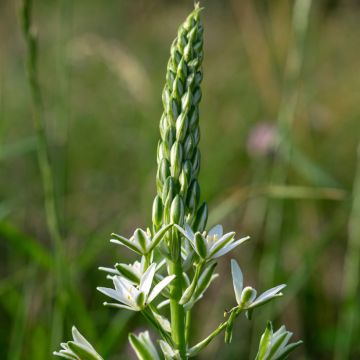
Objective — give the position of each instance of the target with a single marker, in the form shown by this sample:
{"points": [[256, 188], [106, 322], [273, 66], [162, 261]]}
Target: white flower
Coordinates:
{"points": [[246, 297], [135, 297], [143, 346], [132, 272], [77, 349], [274, 345], [212, 244], [141, 242], [168, 351]]}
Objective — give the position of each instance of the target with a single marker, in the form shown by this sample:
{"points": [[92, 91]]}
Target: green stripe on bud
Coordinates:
{"points": [[157, 212], [176, 157], [204, 280], [201, 217], [126, 271], [200, 245], [177, 211], [193, 196], [248, 295]]}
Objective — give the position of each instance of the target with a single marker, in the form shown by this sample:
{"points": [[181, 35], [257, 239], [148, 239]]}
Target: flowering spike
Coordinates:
{"points": [[178, 154]]}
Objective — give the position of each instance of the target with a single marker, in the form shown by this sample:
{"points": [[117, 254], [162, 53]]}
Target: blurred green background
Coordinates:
{"points": [[280, 127]]}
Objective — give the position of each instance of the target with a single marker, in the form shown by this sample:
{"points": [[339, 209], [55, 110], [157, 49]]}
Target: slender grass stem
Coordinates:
{"points": [[351, 278], [52, 218], [269, 262]]}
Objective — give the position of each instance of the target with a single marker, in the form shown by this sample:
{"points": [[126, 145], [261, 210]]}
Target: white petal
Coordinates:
{"points": [[121, 306], [271, 292], [229, 247], [216, 230], [80, 339], [110, 292], [147, 279], [109, 270], [238, 279], [163, 303], [159, 287], [186, 234], [189, 231], [126, 290], [223, 240]]}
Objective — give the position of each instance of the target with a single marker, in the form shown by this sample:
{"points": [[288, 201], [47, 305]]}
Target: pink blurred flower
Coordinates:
{"points": [[262, 139]]}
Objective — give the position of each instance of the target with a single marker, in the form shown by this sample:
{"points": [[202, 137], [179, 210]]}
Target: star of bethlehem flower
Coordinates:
{"points": [[132, 272], [246, 297], [77, 349], [274, 345], [212, 244], [141, 241], [135, 297]]}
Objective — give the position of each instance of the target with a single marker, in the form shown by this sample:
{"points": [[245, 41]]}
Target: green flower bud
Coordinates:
{"points": [[157, 212], [193, 196], [189, 147], [201, 217], [141, 238], [200, 244], [176, 157], [181, 126], [247, 296], [163, 170], [186, 102], [177, 210]]}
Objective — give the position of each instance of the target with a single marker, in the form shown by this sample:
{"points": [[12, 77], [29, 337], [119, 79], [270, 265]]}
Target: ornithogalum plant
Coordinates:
{"points": [[177, 255]]}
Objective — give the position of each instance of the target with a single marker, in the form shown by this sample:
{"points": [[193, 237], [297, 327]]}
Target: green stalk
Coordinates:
{"points": [[351, 278], [193, 351], [178, 158], [52, 218], [176, 310]]}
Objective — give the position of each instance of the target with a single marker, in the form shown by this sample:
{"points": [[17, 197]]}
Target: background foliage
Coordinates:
{"points": [[102, 67]]}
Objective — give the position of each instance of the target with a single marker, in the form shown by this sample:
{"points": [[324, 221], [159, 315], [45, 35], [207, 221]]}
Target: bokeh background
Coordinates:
{"points": [[280, 128]]}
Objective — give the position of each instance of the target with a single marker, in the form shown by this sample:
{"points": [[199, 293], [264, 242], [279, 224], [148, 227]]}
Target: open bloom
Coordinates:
{"points": [[141, 241], [132, 272], [77, 349], [274, 345], [246, 297], [135, 297], [212, 244]]}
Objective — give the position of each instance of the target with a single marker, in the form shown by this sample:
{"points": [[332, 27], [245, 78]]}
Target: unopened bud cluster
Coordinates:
{"points": [[178, 155]]}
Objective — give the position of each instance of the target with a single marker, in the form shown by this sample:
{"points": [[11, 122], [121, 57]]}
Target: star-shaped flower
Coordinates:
{"points": [[274, 345], [246, 297], [135, 297], [141, 241], [212, 244], [78, 349], [132, 272]]}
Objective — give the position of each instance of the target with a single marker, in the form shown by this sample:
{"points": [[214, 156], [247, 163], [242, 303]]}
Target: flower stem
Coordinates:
{"points": [[235, 312], [177, 310]]}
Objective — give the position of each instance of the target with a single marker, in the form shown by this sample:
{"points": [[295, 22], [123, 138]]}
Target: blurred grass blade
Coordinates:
{"points": [[311, 259], [5, 209], [46, 172], [116, 333], [17, 334], [228, 205], [26, 245], [349, 310], [310, 170], [269, 263], [8, 151]]}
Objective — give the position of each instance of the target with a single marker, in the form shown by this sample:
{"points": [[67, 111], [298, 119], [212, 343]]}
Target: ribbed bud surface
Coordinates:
{"points": [[178, 155]]}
